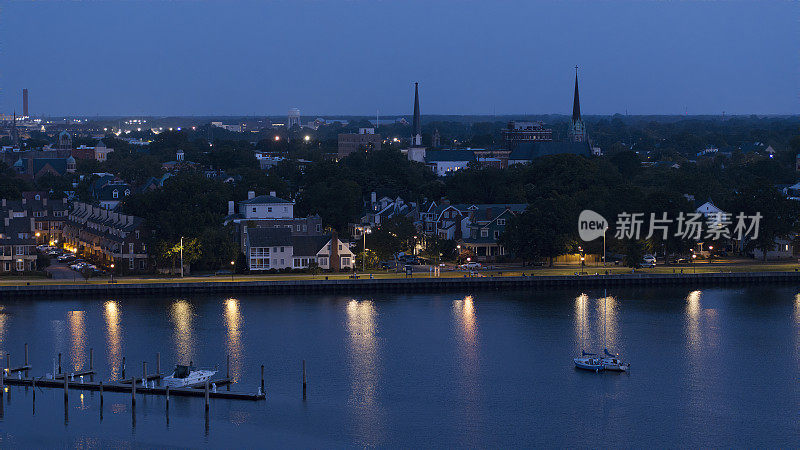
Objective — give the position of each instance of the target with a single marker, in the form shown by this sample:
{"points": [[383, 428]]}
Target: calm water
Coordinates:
{"points": [[717, 367]]}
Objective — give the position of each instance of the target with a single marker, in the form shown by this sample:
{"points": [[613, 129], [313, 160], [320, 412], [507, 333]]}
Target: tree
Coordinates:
{"points": [[546, 229]]}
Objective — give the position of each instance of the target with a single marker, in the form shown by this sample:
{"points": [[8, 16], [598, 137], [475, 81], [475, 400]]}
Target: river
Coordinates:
{"points": [[714, 367]]}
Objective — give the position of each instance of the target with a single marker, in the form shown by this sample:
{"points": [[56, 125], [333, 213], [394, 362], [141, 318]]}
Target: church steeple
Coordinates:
{"points": [[576, 104], [416, 125], [577, 130]]}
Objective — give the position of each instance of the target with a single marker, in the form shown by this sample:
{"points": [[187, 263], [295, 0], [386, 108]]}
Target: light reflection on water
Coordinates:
{"points": [[77, 339], [233, 322], [3, 320], [182, 316], [467, 339], [113, 322], [365, 367]]}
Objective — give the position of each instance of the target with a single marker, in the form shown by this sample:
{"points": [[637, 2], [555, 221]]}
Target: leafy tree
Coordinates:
{"points": [[546, 230]]}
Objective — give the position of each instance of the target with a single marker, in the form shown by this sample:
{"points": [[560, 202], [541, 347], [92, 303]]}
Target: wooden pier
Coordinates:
{"points": [[147, 384]]}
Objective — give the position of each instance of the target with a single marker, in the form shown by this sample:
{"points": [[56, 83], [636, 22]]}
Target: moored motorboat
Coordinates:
{"points": [[186, 376]]}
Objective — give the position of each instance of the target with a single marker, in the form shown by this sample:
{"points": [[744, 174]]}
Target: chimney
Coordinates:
{"points": [[4, 203], [230, 208], [334, 263], [64, 200], [251, 195], [44, 201], [24, 200], [5, 220], [33, 225], [272, 193]]}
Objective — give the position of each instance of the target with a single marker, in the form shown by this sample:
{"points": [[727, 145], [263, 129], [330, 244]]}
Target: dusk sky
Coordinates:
{"points": [[353, 57]]}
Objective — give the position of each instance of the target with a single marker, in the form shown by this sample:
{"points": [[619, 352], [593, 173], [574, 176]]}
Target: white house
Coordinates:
{"points": [[266, 207], [277, 248], [783, 249]]}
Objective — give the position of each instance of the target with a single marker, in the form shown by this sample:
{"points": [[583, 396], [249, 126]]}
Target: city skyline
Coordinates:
{"points": [[356, 58]]}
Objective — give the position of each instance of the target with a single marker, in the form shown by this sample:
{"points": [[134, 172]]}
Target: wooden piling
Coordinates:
{"points": [[59, 363], [133, 392], [144, 373], [167, 394], [8, 362], [228, 371], [206, 392], [158, 363], [304, 379], [26, 353], [91, 359], [262, 379], [123, 367], [101, 394], [66, 387]]}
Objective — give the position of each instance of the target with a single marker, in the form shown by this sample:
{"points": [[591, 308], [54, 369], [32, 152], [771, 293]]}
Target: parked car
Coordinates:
{"points": [[471, 265], [67, 258]]}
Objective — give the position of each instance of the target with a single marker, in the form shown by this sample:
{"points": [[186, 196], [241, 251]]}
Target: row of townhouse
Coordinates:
{"points": [[476, 227], [107, 237], [32, 220]]}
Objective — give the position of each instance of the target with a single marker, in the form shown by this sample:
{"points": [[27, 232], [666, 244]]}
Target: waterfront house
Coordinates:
{"points": [[276, 248]]}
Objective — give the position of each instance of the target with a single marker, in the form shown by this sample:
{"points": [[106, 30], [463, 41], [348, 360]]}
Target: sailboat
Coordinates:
{"points": [[611, 361], [587, 361]]}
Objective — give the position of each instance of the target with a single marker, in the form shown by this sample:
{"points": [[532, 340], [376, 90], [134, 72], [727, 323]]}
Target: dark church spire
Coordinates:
{"points": [[576, 103], [416, 125]]}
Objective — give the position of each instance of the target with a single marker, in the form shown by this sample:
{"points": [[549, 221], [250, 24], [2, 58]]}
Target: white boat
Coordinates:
{"points": [[588, 361], [613, 362], [186, 376]]}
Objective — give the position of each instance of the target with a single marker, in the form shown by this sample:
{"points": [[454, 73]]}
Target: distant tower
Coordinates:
{"points": [[437, 139], [25, 103], [64, 140], [293, 118], [577, 131], [416, 125]]}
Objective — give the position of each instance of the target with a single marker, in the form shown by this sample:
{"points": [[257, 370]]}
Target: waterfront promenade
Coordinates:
{"points": [[702, 274]]}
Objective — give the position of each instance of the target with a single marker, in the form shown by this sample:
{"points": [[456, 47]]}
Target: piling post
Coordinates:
{"points": [[66, 388], [228, 373], [144, 373], [26, 354], [167, 397], [262, 379], [8, 363], [206, 389], [123, 367], [158, 363], [91, 359], [304, 379], [2, 388], [101, 394], [133, 391], [59, 363]]}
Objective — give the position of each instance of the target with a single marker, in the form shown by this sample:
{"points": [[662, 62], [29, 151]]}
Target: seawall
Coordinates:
{"points": [[420, 284]]}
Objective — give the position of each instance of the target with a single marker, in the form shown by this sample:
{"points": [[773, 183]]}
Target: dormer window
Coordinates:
{"points": [[127, 192], [115, 194]]}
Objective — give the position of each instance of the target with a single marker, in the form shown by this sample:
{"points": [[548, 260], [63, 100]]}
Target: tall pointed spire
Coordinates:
{"points": [[577, 131], [576, 104], [416, 125]]}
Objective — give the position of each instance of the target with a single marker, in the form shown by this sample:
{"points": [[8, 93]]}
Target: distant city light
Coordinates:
{"points": [[277, 138], [307, 138]]}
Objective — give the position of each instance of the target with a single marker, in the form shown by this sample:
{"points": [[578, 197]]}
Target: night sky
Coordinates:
{"points": [[353, 57]]}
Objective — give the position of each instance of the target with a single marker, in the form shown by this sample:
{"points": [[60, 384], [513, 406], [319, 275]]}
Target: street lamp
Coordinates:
{"points": [[365, 231], [232, 269], [112, 272], [694, 268]]}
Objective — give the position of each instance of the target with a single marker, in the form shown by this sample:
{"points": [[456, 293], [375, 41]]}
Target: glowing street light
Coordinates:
{"points": [[232, 269], [112, 272], [277, 138], [307, 138]]}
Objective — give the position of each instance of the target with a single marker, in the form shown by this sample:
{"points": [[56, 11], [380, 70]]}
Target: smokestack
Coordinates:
{"points": [[25, 102], [230, 207], [251, 195]]}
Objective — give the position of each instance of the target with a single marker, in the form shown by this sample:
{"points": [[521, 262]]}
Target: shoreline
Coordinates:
{"points": [[338, 286]]}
